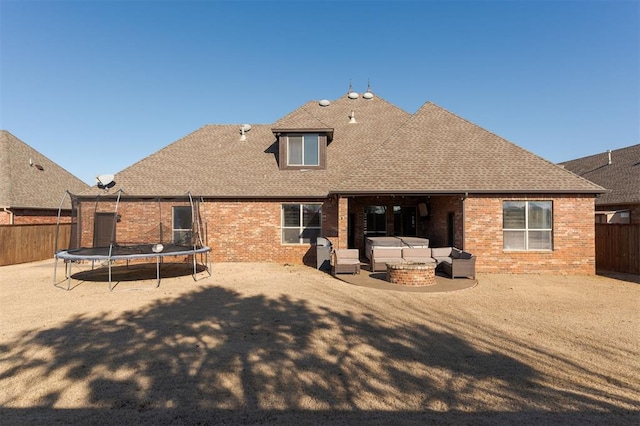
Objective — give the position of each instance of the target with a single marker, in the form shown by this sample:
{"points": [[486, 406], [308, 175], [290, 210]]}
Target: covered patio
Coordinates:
{"points": [[378, 280]]}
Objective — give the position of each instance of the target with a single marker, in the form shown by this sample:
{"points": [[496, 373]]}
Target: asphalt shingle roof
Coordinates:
{"points": [[621, 178], [437, 151], [386, 150], [25, 185]]}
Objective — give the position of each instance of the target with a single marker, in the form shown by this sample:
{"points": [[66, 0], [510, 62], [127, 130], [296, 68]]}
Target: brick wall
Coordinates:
{"points": [[573, 236], [249, 231], [140, 221]]}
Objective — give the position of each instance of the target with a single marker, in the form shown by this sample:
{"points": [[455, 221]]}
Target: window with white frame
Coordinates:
{"points": [[301, 223], [527, 225], [182, 225], [303, 149]]}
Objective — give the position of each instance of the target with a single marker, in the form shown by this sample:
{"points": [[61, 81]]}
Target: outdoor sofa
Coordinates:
{"points": [[450, 260], [380, 256], [391, 242]]}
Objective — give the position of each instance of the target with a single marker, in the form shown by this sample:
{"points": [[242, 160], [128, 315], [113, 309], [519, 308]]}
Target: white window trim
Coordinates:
{"points": [[526, 229]]}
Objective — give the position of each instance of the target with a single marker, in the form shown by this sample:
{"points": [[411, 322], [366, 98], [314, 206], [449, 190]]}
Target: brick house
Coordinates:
{"points": [[354, 167], [619, 172], [32, 186]]}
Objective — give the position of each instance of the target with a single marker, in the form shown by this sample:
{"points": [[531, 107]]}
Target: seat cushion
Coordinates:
{"points": [[387, 253], [441, 252], [416, 252]]}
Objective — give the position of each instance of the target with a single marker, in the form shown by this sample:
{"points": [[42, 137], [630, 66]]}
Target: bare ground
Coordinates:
{"points": [[276, 344]]}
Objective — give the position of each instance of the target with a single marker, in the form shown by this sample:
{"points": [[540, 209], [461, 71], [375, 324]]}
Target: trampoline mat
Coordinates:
{"points": [[130, 251]]}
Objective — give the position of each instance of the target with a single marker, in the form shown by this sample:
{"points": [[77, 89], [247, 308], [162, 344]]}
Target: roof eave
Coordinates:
{"points": [[472, 191]]}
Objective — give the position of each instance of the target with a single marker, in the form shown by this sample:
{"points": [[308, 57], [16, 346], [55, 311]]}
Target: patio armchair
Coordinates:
{"points": [[455, 262], [345, 261]]}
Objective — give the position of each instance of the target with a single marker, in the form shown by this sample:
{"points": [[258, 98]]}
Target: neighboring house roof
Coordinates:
{"points": [[386, 150], [30, 180], [621, 177]]}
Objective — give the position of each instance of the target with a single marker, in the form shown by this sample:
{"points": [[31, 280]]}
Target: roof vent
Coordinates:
{"points": [[352, 117], [609, 156], [324, 102], [37, 166], [244, 129]]}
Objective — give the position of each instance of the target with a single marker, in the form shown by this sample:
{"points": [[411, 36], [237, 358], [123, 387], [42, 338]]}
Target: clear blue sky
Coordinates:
{"points": [[98, 85]]}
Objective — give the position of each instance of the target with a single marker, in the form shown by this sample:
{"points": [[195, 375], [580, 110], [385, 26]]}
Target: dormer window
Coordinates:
{"points": [[303, 150]]}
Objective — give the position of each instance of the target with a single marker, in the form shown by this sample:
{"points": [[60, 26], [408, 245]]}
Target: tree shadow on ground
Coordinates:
{"points": [[213, 356]]}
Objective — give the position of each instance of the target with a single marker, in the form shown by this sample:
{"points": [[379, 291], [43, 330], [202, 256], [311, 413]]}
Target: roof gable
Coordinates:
{"points": [[28, 179], [213, 161], [437, 151], [376, 148], [621, 176]]}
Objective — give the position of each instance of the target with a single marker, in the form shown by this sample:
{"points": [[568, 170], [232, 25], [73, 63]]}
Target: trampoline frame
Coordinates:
{"points": [[129, 252]]}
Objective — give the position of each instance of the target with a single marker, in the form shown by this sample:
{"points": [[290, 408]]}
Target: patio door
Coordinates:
{"points": [[375, 221], [104, 228], [404, 221]]}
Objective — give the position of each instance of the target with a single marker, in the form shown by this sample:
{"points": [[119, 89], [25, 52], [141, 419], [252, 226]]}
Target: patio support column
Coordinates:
{"points": [[343, 220]]}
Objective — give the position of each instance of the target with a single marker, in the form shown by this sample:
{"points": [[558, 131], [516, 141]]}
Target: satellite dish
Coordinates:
{"points": [[353, 95], [367, 95], [105, 181], [245, 127], [324, 102]]}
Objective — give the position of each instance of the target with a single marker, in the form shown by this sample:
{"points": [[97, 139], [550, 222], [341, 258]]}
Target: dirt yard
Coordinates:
{"points": [[277, 344]]}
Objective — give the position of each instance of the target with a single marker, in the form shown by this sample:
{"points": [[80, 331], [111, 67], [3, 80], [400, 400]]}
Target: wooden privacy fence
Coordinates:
{"points": [[618, 247], [28, 243]]}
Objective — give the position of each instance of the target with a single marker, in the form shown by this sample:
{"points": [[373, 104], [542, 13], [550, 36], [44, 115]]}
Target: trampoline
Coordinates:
{"points": [[127, 253], [174, 230]]}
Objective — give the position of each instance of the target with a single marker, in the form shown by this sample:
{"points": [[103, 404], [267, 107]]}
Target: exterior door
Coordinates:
{"points": [[104, 228]]}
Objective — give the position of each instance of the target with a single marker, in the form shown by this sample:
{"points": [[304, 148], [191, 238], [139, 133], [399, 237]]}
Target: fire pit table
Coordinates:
{"points": [[411, 273]]}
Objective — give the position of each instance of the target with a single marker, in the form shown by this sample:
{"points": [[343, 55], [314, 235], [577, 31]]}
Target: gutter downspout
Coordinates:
{"points": [[8, 210], [464, 239]]}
